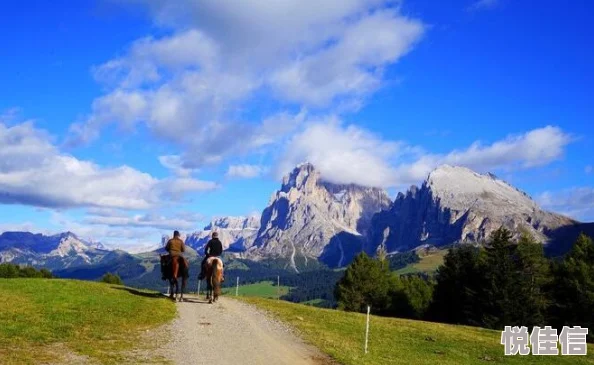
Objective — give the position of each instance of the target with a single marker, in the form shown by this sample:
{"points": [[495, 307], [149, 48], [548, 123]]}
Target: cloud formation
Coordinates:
{"points": [[245, 171], [34, 172], [148, 220], [349, 154], [188, 86], [576, 202], [537, 147]]}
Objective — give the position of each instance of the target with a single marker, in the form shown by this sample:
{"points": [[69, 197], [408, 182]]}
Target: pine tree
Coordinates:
{"points": [[532, 276], [498, 304], [573, 287], [365, 282], [410, 296], [459, 282]]}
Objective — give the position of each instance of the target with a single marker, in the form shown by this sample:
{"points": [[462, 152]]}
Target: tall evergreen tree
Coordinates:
{"points": [[459, 282], [573, 287], [498, 302], [410, 296], [532, 276], [365, 282]]}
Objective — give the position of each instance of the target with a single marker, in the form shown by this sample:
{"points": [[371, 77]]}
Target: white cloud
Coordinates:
{"points": [[189, 87], [34, 172], [576, 202], [175, 165], [588, 169], [534, 148], [480, 5], [343, 154], [150, 220], [353, 65], [245, 171], [349, 154]]}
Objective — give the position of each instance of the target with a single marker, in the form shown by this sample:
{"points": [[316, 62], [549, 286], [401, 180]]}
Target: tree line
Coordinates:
{"points": [[504, 282], [11, 271]]}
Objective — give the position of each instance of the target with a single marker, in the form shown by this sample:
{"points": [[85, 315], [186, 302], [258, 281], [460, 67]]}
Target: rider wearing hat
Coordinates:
{"points": [[214, 248]]}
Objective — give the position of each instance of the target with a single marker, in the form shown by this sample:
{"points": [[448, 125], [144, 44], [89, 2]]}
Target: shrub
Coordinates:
{"points": [[110, 278]]}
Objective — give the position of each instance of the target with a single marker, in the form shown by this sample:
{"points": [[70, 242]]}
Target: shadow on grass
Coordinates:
{"points": [[141, 293]]}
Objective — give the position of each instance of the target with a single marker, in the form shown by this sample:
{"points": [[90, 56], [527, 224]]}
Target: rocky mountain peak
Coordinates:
{"points": [[307, 214], [303, 177], [235, 233], [236, 223], [460, 188], [456, 204]]}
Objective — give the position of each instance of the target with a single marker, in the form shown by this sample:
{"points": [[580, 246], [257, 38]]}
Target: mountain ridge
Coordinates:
{"points": [[308, 218]]}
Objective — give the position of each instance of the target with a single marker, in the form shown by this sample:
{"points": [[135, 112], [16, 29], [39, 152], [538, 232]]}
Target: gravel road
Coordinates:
{"points": [[232, 332]]}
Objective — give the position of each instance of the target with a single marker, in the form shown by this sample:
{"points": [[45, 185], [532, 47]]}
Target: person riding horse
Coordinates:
{"points": [[175, 247], [214, 248]]}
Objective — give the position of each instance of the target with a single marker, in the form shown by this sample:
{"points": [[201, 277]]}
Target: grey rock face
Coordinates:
{"points": [[308, 217], [235, 233], [456, 204]]}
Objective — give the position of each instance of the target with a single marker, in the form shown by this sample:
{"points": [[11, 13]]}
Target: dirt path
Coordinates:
{"points": [[232, 332]]}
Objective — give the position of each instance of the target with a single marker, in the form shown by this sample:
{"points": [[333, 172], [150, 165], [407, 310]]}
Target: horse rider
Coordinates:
{"points": [[214, 248], [175, 247]]}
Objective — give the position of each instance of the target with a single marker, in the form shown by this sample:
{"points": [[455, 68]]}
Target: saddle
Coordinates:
{"points": [[210, 260], [167, 262]]}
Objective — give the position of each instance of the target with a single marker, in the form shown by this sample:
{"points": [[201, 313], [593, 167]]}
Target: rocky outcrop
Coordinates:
{"points": [[235, 233], [456, 204], [309, 217]]}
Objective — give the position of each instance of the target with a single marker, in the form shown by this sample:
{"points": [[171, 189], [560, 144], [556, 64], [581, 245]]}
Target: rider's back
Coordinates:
{"points": [[175, 246], [214, 247]]}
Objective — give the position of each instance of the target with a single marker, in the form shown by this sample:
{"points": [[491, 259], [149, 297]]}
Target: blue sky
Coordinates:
{"points": [[121, 120]]}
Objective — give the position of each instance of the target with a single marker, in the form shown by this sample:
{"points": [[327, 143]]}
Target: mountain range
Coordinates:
{"points": [[310, 219]]}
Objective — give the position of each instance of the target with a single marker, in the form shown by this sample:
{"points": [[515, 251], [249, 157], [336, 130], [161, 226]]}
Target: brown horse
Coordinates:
{"points": [[167, 274], [214, 277]]}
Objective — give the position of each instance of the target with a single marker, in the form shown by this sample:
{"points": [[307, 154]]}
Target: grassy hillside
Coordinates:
{"points": [[49, 320], [264, 289], [399, 341], [429, 262]]}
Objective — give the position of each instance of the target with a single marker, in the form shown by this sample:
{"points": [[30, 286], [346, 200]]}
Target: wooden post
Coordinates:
{"points": [[367, 329], [199, 282], [278, 286], [237, 287]]}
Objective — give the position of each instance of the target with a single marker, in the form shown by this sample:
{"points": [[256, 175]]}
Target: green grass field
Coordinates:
{"points": [[264, 289], [429, 263], [400, 341], [41, 320]]}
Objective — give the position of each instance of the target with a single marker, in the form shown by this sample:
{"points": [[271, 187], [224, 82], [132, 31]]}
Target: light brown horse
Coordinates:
{"points": [[214, 278]]}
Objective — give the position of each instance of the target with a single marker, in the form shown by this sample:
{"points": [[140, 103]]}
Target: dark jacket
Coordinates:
{"points": [[175, 246], [214, 247]]}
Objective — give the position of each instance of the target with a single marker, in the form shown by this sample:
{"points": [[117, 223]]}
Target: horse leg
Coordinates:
{"points": [[171, 289], [176, 289], [183, 288]]}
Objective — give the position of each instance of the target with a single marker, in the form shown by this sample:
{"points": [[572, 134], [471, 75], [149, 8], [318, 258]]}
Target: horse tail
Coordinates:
{"points": [[217, 276]]}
